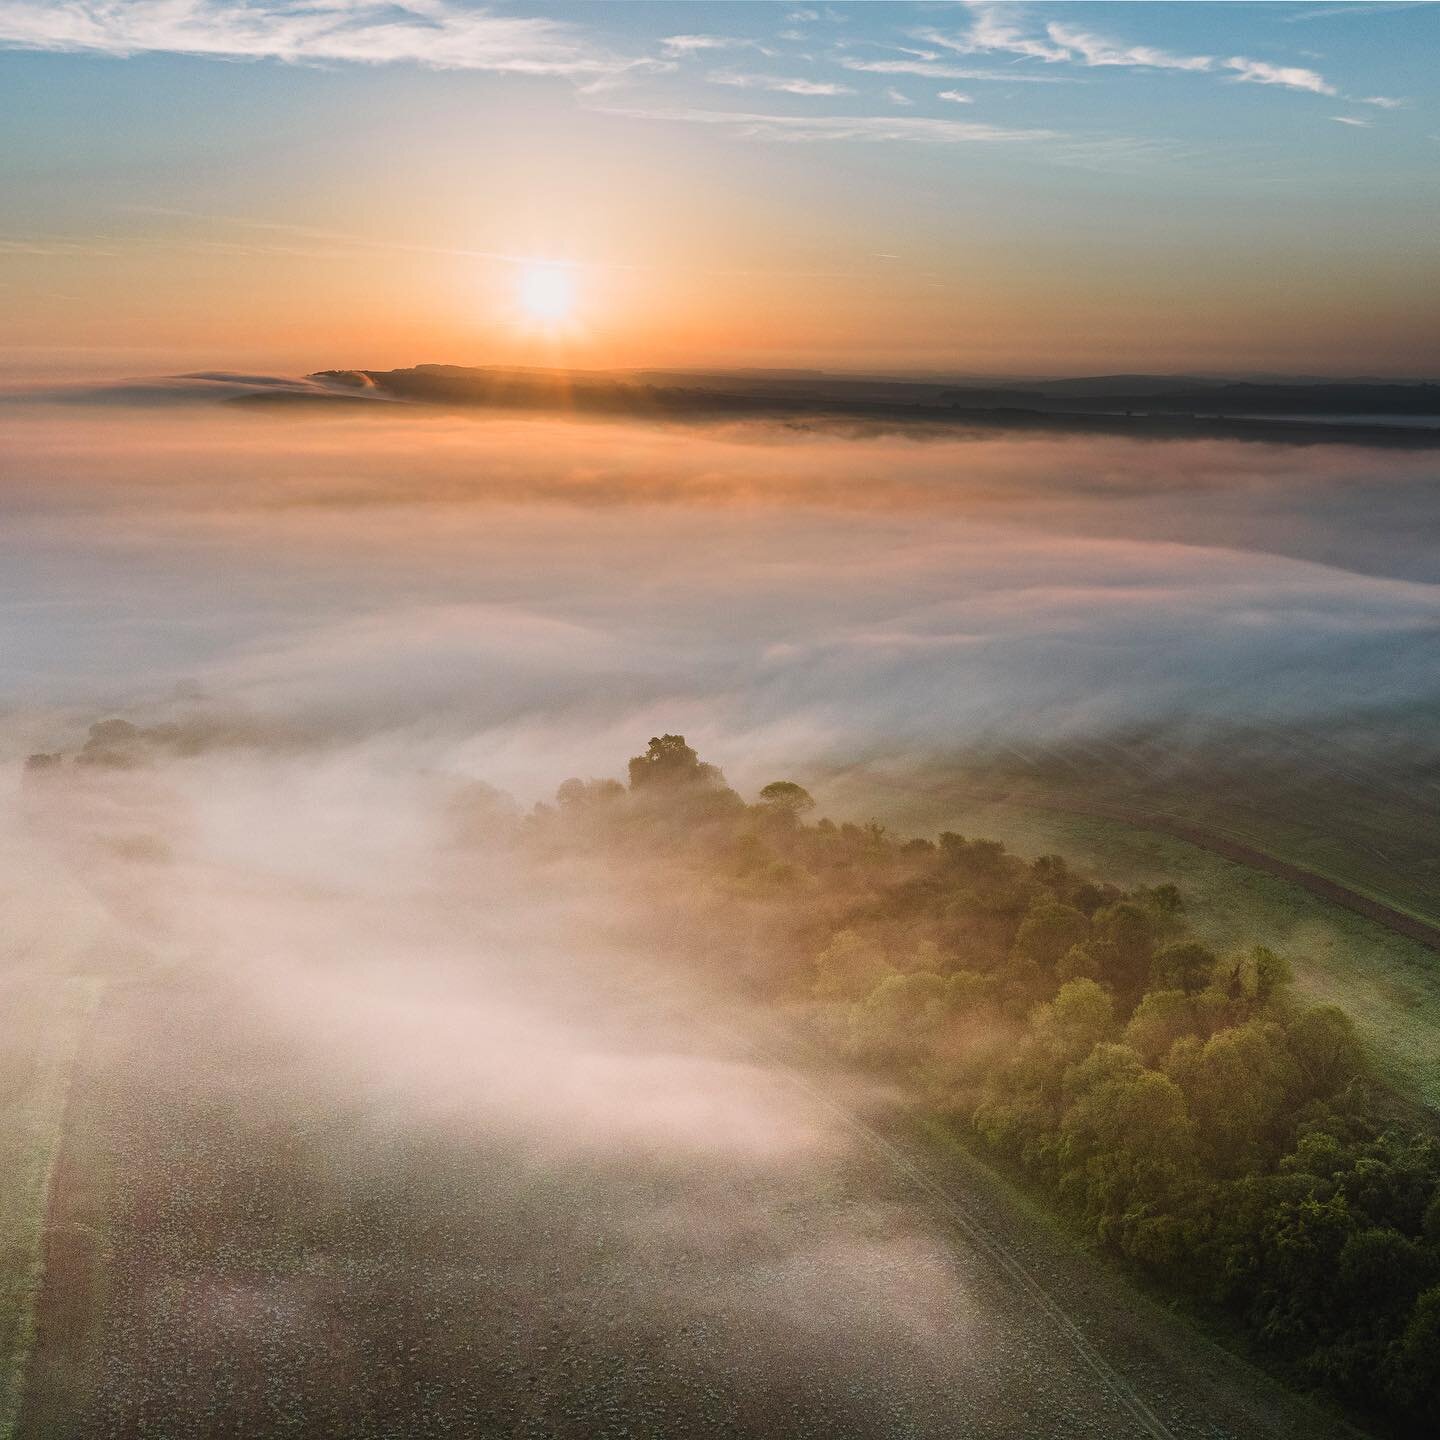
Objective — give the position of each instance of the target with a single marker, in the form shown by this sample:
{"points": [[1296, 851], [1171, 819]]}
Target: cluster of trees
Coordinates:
{"points": [[1183, 1105]]}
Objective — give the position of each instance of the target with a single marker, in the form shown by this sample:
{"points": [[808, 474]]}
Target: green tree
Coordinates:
{"points": [[1159, 1020], [669, 761], [1380, 1270], [785, 797], [1185, 966], [1240, 1087], [967, 990], [897, 1018], [1124, 946], [1413, 1364], [1326, 1049], [1256, 976], [1125, 1113], [1078, 1018], [1047, 932]]}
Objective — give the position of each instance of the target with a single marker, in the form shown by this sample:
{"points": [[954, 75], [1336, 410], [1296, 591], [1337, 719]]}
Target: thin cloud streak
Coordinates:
{"points": [[335, 237], [932, 71], [1332, 12], [341, 244], [697, 44], [808, 128], [783, 84]]}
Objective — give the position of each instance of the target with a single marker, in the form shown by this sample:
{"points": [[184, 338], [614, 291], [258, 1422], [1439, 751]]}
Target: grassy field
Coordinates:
{"points": [[1360, 806], [1390, 985], [46, 1020]]}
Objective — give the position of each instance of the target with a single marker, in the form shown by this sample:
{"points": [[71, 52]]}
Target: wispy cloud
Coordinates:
{"points": [[1330, 12], [1351, 120], [45, 245], [1384, 102], [932, 71], [889, 46], [1292, 77], [784, 84], [1093, 50], [818, 128], [438, 33], [320, 243], [698, 44], [994, 30], [898, 97], [311, 243], [956, 97], [1118, 154]]}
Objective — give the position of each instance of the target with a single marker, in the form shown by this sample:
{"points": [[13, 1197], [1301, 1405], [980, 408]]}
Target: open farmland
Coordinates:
{"points": [[239, 1246]]}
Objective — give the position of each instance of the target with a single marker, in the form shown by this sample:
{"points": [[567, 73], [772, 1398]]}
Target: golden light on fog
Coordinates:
{"points": [[546, 292]]}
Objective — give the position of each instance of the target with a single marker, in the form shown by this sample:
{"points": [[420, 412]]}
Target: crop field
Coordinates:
{"points": [[226, 1258]]}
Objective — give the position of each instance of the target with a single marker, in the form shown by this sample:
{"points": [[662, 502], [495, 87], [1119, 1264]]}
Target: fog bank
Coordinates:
{"points": [[513, 597]]}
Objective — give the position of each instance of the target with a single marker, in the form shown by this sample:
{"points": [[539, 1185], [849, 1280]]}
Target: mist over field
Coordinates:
{"points": [[433, 1132], [517, 598]]}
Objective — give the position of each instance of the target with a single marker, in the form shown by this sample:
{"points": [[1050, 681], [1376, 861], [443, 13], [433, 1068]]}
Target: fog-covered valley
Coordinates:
{"points": [[452, 586], [382, 1121]]}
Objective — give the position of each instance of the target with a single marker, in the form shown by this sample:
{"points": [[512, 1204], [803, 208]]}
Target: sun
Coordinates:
{"points": [[546, 291]]}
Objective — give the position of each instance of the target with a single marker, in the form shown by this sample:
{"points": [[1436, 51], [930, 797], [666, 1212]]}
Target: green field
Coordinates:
{"points": [[1390, 985], [1359, 804]]}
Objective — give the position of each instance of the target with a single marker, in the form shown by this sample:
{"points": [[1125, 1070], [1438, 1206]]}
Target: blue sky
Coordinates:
{"points": [[957, 171]]}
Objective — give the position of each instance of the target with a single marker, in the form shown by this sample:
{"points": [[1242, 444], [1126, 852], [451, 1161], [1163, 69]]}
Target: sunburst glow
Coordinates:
{"points": [[546, 292]]}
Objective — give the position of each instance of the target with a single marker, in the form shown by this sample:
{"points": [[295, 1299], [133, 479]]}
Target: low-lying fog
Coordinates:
{"points": [[436, 1140], [521, 598], [351, 614]]}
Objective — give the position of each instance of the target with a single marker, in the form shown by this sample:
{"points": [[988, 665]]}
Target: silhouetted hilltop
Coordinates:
{"points": [[1380, 413], [1360, 399]]}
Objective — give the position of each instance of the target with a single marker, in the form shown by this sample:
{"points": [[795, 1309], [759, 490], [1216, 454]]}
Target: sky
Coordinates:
{"points": [[969, 188]]}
